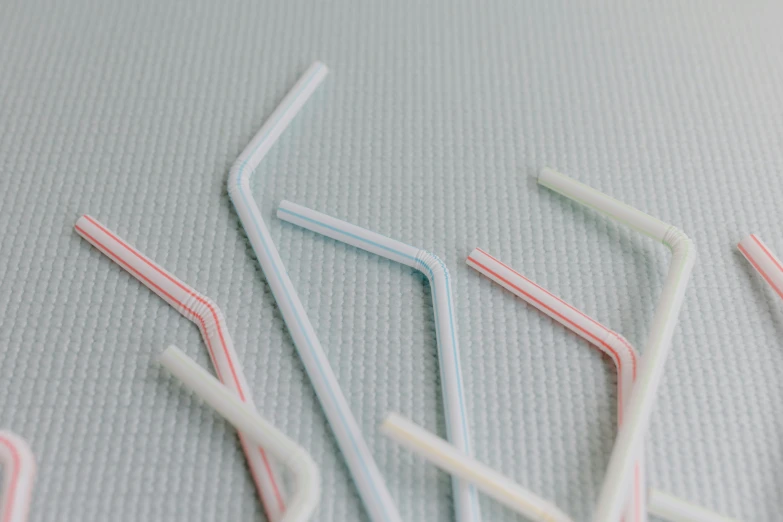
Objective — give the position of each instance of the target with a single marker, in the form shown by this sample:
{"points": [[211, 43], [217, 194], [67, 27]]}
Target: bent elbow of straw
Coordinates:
{"points": [[436, 269], [667, 311], [245, 419]]}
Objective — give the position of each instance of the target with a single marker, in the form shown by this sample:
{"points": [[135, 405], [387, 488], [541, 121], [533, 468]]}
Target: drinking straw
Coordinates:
{"points": [[764, 261], [465, 496], [18, 474], [458, 463], [212, 325], [244, 417], [623, 355], [504, 490], [671, 508], [361, 465], [637, 413]]}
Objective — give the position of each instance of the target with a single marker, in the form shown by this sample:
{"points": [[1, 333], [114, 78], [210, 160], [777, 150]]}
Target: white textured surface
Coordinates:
{"points": [[133, 112]]}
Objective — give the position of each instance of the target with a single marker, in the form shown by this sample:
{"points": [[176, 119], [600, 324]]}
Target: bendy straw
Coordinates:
{"points": [[17, 469], [764, 261], [457, 426], [212, 325], [307, 484], [623, 355], [456, 462], [637, 414], [361, 465]]}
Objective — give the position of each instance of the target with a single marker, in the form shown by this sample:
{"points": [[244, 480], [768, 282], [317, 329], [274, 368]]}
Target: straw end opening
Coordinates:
{"points": [[546, 174], [169, 354]]}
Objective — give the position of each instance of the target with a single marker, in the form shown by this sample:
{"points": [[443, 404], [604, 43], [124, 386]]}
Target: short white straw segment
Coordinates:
{"points": [[623, 355], [17, 469], [764, 261], [457, 425], [364, 471], [452, 460], [637, 414], [212, 324], [671, 508], [244, 418]]}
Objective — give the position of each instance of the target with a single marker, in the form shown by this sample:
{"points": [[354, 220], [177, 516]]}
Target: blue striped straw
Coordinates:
{"points": [[465, 495]]}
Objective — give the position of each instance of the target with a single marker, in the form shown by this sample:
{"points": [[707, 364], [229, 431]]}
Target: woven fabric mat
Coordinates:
{"points": [[429, 129]]}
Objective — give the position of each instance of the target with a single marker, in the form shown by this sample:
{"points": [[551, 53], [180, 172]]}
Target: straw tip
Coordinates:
{"points": [[281, 209], [547, 172], [390, 420], [746, 239], [168, 354], [473, 253]]}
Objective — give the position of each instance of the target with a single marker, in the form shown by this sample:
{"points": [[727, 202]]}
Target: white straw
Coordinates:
{"points": [[624, 356], [445, 456], [17, 465], [764, 261], [366, 475], [244, 418], [456, 462], [672, 508], [212, 324], [637, 414], [457, 426]]}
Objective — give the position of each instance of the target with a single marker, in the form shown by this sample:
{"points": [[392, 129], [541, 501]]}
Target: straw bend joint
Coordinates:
{"points": [[637, 414], [205, 308], [678, 242], [436, 267]]}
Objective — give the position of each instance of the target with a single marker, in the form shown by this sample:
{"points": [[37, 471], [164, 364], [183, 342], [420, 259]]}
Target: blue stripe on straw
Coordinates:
{"points": [[285, 287], [435, 306]]}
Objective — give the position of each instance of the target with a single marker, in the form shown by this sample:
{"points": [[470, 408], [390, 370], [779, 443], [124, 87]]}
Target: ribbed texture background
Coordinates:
{"points": [[430, 129]]}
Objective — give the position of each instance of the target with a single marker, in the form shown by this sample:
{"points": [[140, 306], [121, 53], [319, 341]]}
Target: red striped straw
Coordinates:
{"points": [[212, 324], [764, 261], [621, 352]]}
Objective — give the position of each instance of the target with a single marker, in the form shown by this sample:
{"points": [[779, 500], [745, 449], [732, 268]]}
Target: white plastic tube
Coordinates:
{"points": [[637, 414], [622, 353], [212, 324], [244, 418], [764, 261], [17, 465], [457, 425], [456, 462], [445, 456], [671, 508], [364, 471]]}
